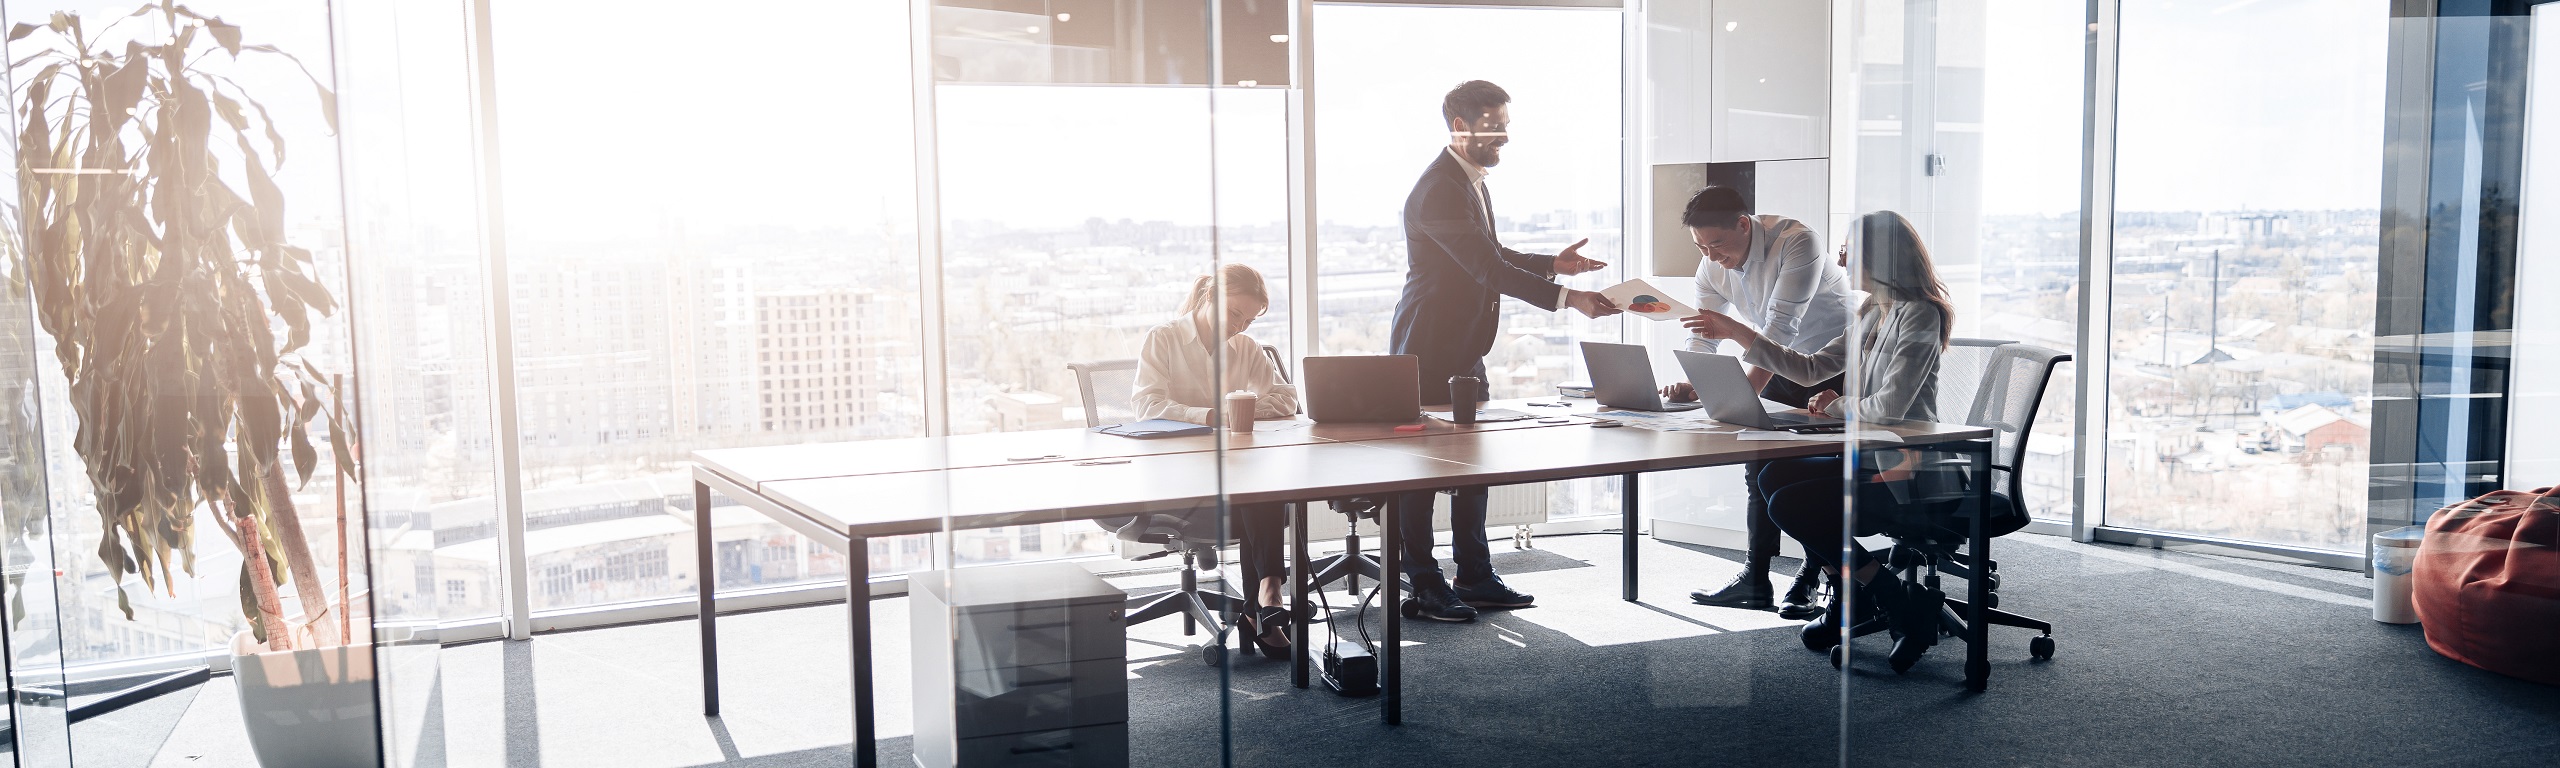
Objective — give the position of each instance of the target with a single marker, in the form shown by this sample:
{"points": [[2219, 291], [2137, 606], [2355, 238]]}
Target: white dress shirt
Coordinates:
{"points": [[1788, 287], [1174, 380], [1475, 177]]}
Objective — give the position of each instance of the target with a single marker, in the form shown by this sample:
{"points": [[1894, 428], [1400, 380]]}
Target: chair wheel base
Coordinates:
{"points": [[2041, 647], [1214, 654]]}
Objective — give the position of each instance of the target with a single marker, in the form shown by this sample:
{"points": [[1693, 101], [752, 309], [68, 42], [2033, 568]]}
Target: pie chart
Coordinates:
{"points": [[1647, 303]]}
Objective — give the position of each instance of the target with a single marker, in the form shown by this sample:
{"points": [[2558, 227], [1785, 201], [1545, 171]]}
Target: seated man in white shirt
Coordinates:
{"points": [[1771, 272]]}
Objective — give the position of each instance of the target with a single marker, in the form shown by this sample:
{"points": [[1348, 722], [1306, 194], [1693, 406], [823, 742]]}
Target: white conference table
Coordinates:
{"points": [[844, 494]]}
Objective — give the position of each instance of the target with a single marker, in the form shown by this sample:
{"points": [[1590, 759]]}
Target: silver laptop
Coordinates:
{"points": [[1729, 397], [1622, 377]]}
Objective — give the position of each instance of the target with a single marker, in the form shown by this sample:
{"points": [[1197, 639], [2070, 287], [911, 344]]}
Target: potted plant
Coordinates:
{"points": [[177, 308]]}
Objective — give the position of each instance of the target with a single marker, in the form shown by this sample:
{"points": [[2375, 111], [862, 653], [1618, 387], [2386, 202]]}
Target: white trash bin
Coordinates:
{"points": [[2395, 553]]}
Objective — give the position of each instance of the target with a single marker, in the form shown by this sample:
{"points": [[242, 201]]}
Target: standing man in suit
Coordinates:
{"points": [[1771, 272], [1455, 277]]}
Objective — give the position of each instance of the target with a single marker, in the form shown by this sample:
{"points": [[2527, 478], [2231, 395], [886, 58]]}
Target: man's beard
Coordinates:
{"points": [[1483, 155]]}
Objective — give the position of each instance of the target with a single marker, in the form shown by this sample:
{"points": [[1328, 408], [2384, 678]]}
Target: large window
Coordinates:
{"points": [[1381, 74], [680, 282], [2246, 230], [2011, 87]]}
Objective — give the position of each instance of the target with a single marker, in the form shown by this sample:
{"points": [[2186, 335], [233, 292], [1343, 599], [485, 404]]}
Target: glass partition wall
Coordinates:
{"points": [[995, 226], [188, 402]]}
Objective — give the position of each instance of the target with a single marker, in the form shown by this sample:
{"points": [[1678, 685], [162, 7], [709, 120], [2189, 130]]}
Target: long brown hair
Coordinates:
{"points": [[1891, 255], [1237, 278]]}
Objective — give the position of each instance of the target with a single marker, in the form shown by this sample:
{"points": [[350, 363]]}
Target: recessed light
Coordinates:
{"points": [[1248, 83], [1279, 38], [1066, 17], [1732, 25], [1032, 30]]}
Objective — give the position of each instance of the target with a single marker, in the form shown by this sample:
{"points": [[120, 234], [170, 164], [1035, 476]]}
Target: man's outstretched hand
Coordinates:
{"points": [[1571, 261], [1590, 304]]}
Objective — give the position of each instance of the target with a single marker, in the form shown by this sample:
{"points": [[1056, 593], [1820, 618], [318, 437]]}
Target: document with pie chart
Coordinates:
{"points": [[1640, 298]]}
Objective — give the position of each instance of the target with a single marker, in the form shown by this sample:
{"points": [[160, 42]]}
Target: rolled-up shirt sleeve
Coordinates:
{"points": [[1710, 299]]}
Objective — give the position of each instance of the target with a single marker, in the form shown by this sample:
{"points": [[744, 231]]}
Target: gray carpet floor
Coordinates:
{"points": [[2166, 658]]}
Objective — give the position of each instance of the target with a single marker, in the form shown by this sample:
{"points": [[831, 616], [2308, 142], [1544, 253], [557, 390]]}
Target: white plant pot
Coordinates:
{"points": [[307, 708]]}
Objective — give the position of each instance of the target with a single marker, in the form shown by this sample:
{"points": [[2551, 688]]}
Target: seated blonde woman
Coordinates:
{"points": [[1179, 378]]}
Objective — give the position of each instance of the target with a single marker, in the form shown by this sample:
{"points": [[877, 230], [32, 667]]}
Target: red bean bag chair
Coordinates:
{"points": [[2487, 583]]}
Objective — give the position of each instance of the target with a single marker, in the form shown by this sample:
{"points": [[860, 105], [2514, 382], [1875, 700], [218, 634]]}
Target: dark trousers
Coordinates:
{"points": [[1763, 534], [1466, 533], [1466, 512], [1805, 501], [1260, 530]]}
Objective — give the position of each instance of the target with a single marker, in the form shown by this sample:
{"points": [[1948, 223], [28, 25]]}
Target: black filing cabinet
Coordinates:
{"points": [[1019, 665]]}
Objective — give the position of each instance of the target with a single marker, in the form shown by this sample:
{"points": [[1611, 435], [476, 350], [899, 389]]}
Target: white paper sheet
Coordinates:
{"points": [[1866, 435], [1641, 299], [1684, 421]]}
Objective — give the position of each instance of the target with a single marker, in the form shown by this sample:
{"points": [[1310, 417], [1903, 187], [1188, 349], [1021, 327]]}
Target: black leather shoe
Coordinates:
{"points": [[1494, 594], [1433, 600], [1748, 591], [1913, 611], [1803, 600]]}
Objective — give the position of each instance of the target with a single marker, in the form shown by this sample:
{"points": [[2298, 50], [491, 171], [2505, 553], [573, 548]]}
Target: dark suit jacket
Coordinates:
{"points": [[1455, 277]]}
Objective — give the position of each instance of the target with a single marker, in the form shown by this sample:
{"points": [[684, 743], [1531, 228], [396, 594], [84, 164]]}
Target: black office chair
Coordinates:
{"points": [[1105, 388], [2003, 392]]}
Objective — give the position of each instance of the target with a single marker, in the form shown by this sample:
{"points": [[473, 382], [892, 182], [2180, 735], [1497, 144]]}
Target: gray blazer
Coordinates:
{"points": [[1899, 362]]}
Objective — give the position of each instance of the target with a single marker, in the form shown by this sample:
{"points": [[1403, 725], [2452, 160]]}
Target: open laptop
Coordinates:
{"points": [[1729, 398], [1622, 377], [1364, 388]]}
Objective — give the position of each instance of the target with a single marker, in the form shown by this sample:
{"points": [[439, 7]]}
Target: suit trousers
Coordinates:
{"points": [[1466, 515]]}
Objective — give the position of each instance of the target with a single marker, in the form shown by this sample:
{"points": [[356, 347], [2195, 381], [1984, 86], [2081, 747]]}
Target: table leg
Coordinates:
{"points": [[857, 598], [706, 588], [1977, 652], [1298, 593], [1627, 538], [1391, 597]]}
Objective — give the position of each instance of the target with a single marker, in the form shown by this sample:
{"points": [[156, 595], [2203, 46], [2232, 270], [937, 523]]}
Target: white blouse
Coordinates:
{"points": [[1174, 376]]}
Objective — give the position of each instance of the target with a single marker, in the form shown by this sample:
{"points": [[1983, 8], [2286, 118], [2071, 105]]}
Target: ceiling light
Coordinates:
{"points": [[1279, 38], [1066, 17], [1732, 25]]}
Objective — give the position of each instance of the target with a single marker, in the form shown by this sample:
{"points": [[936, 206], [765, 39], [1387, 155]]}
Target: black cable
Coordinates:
{"points": [[1363, 620]]}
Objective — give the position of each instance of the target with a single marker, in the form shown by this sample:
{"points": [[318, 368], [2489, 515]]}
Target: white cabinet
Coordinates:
{"points": [[1770, 92]]}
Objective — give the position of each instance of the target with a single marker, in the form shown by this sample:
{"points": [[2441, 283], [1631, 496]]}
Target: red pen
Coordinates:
{"points": [[1410, 428]]}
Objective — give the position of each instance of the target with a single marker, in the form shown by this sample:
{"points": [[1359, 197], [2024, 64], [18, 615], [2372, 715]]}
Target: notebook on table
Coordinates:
{"points": [[1153, 428]]}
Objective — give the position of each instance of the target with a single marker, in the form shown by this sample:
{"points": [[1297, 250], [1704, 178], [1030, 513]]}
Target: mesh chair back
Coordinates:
{"points": [[2012, 385], [1961, 368], [1105, 387]]}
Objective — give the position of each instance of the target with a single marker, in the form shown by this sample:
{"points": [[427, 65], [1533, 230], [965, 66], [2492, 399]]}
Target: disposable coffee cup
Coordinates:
{"points": [[1240, 405], [2395, 557], [1465, 393]]}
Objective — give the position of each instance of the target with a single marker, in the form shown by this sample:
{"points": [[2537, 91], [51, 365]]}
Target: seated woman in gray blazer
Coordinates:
{"points": [[1900, 331], [1178, 378]]}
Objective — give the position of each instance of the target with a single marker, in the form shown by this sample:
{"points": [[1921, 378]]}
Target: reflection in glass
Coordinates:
{"points": [[202, 459]]}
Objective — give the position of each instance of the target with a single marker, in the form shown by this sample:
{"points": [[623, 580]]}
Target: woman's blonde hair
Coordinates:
{"points": [[1237, 278]]}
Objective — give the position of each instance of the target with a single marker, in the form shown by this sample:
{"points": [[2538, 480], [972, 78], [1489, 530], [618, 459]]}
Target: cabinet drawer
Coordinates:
{"points": [[1042, 697], [1094, 746], [1038, 634]]}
